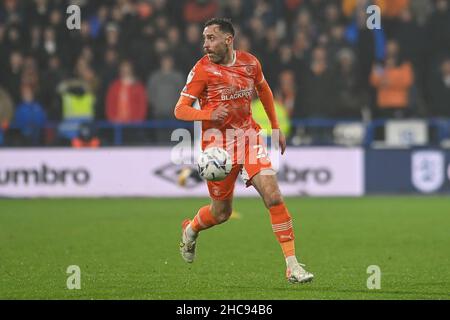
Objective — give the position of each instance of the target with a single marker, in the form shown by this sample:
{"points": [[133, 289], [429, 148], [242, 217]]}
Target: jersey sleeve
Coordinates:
{"points": [[196, 83], [259, 77]]}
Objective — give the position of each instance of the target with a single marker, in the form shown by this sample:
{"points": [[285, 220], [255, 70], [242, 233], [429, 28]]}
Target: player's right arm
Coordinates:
{"points": [[195, 85]]}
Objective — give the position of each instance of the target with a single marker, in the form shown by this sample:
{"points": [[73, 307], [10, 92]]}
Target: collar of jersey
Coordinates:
{"points": [[234, 59], [232, 63]]}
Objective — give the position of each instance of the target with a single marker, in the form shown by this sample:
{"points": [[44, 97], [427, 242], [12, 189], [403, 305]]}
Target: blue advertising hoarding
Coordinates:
{"points": [[421, 171]]}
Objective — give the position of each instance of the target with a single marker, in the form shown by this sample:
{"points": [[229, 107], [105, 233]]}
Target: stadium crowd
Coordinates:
{"points": [[130, 59]]}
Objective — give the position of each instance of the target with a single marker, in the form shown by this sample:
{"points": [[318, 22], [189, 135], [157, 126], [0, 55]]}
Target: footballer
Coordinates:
{"points": [[223, 82]]}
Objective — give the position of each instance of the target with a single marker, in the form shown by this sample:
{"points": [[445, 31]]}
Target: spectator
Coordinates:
{"points": [[236, 10], [13, 75], [260, 116], [6, 109], [164, 86], [162, 24], [290, 8], [391, 11], [97, 22], [305, 24], [317, 88], [54, 74], [411, 38], [422, 10], [143, 53], [370, 45], [393, 82], [301, 47], [350, 6], [112, 36], [14, 39], [107, 74], [86, 137], [165, 8], [77, 106], [337, 40], [37, 50], [198, 11], [350, 100], [173, 38], [3, 53], [190, 51], [286, 92], [243, 43], [50, 44], [286, 59], [12, 12], [440, 91], [161, 47], [57, 23], [86, 73], [29, 119], [30, 75], [126, 100], [438, 31], [393, 8], [40, 12], [257, 30], [271, 54], [332, 16], [266, 11]]}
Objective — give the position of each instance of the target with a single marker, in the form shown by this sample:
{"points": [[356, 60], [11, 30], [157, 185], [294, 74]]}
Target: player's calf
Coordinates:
{"points": [[267, 186], [222, 210], [283, 230], [273, 200], [207, 217]]}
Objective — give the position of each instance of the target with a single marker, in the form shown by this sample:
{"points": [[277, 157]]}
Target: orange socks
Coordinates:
{"points": [[282, 227], [279, 216], [203, 220]]}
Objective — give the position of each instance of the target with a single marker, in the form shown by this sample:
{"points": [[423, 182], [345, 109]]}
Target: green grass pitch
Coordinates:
{"points": [[128, 249]]}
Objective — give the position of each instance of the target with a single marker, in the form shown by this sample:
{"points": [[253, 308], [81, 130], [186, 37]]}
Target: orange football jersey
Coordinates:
{"points": [[232, 86]]}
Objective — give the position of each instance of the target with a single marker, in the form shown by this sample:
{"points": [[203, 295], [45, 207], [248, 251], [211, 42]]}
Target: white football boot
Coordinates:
{"points": [[187, 246], [296, 274]]}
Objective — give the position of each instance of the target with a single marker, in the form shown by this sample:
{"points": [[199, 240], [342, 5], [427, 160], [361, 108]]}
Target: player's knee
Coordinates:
{"points": [[222, 215], [273, 199]]}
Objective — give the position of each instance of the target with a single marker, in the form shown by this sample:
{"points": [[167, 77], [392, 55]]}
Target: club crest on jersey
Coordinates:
{"points": [[250, 70]]}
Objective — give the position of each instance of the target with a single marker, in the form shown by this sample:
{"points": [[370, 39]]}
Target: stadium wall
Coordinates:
{"points": [[149, 172]]}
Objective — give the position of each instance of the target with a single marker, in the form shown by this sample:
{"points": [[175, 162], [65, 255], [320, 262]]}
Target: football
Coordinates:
{"points": [[214, 164]]}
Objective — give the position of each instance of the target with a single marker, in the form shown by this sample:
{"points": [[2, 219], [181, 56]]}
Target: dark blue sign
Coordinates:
{"points": [[408, 171]]}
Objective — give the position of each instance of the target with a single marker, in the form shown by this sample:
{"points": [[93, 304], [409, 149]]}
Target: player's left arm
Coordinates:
{"points": [[266, 96]]}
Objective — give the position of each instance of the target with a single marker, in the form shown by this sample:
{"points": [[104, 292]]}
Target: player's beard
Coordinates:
{"points": [[219, 55]]}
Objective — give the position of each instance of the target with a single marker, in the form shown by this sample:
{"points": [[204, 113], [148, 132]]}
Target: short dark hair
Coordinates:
{"points": [[224, 24]]}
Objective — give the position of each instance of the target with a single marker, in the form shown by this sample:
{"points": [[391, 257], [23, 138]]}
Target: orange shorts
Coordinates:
{"points": [[256, 160]]}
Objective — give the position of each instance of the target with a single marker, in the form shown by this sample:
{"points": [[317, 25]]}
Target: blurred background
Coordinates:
{"points": [[116, 81]]}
